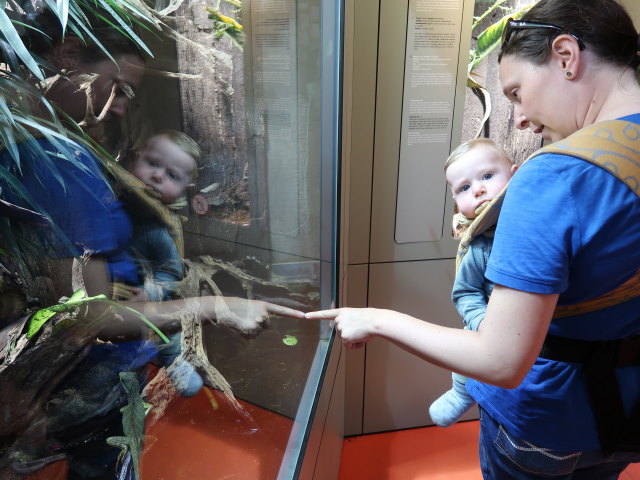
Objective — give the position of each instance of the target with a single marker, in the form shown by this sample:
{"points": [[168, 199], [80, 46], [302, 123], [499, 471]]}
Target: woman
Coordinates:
{"points": [[92, 224], [566, 65]]}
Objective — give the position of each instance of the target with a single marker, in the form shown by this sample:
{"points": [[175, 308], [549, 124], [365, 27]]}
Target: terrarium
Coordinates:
{"points": [[254, 83]]}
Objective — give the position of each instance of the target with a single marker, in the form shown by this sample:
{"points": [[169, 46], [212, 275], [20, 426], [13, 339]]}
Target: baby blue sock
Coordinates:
{"points": [[450, 406], [185, 378], [181, 373]]}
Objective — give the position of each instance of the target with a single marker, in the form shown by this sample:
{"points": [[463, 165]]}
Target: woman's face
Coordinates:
{"points": [[127, 69], [540, 98]]}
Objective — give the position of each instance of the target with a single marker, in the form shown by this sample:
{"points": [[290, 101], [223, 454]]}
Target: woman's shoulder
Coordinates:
{"points": [[548, 166]]}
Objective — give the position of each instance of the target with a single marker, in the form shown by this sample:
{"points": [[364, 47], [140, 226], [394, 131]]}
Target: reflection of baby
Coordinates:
{"points": [[167, 164], [476, 172]]}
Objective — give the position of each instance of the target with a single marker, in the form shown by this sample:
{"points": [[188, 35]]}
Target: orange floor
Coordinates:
{"points": [[199, 439], [429, 453], [204, 438]]}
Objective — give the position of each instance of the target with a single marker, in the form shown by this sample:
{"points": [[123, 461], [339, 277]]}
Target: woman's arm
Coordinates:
{"points": [[501, 354], [246, 316]]}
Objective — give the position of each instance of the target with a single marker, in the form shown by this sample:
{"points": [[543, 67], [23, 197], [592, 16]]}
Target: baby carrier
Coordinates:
{"points": [[614, 146]]}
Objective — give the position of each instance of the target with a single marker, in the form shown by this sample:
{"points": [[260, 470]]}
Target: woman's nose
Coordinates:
{"points": [[520, 121], [118, 107]]}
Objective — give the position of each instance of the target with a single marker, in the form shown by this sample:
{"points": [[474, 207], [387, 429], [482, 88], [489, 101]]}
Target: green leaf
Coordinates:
{"points": [[490, 38], [290, 340], [63, 13], [38, 319], [7, 134], [13, 38], [144, 319], [126, 27], [80, 25]]}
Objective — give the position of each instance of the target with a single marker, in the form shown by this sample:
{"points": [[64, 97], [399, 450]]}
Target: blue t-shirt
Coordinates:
{"points": [[76, 196], [579, 238], [88, 219]]}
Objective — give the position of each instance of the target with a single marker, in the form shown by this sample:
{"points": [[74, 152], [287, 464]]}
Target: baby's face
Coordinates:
{"points": [[164, 167], [477, 177]]}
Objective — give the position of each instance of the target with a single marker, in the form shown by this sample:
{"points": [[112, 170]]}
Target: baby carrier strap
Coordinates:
{"points": [[482, 223], [614, 146]]}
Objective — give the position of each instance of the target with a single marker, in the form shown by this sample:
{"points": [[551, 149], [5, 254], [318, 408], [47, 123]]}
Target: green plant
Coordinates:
{"points": [[486, 41], [79, 298], [226, 25]]}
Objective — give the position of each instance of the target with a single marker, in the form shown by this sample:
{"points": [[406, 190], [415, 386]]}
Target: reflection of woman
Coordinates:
{"points": [[94, 225], [111, 84], [566, 65]]}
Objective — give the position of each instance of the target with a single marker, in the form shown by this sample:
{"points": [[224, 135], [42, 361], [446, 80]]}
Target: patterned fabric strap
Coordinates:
{"points": [[483, 222], [613, 145]]}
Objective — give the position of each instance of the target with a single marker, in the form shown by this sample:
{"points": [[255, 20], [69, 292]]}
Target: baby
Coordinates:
{"points": [[476, 172], [167, 165]]}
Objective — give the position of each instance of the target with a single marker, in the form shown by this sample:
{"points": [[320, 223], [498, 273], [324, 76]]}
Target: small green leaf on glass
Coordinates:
{"points": [[290, 340]]}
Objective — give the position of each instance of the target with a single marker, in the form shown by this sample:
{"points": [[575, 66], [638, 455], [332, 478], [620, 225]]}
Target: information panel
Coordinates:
{"points": [[431, 63], [275, 87]]}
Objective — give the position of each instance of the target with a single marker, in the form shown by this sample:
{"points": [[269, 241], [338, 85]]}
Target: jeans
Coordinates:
{"points": [[504, 457]]}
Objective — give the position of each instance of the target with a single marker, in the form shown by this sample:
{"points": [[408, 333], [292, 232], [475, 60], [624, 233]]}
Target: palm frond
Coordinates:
{"points": [[11, 36]]}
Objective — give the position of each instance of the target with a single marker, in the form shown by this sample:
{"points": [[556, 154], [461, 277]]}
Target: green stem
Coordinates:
{"points": [[137, 314]]}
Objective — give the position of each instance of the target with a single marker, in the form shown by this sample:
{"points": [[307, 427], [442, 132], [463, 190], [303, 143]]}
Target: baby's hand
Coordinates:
{"points": [[139, 295]]}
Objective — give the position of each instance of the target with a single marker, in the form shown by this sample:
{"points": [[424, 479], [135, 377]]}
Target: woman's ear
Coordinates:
{"points": [[565, 52], [514, 168], [67, 54]]}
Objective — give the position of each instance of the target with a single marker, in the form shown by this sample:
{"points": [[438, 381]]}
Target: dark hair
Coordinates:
{"points": [[115, 42], [603, 25]]}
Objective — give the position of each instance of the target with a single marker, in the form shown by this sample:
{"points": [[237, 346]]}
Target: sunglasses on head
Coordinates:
{"points": [[513, 25]]}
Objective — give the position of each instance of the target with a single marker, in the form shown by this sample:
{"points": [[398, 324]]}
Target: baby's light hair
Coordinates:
{"points": [[464, 148]]}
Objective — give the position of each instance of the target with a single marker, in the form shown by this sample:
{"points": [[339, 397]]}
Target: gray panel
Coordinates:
{"points": [[387, 139], [398, 386], [354, 390], [359, 90], [328, 463], [326, 428], [430, 83]]}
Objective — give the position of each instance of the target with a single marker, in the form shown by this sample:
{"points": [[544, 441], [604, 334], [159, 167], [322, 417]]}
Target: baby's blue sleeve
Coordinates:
{"points": [[471, 290], [160, 258]]}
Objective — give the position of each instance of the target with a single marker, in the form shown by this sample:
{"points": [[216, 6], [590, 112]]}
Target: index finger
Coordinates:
{"points": [[323, 314], [286, 311]]}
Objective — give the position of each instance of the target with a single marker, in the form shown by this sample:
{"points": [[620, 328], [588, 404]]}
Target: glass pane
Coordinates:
{"points": [[169, 183]]}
